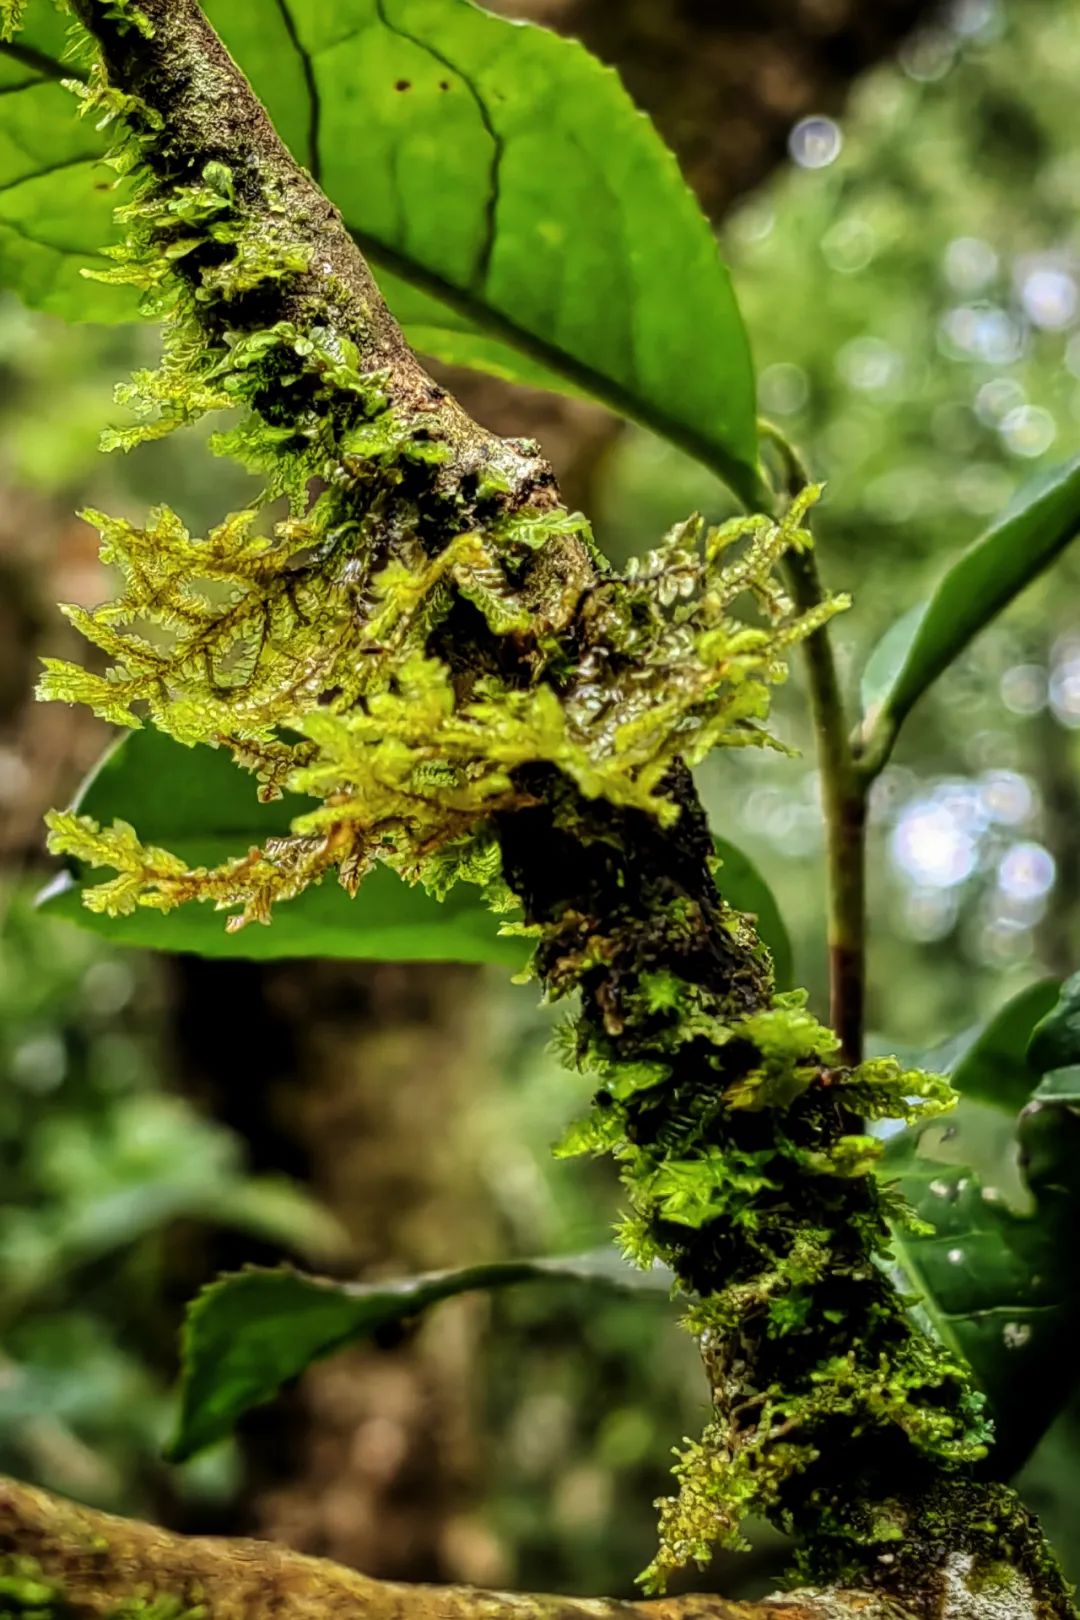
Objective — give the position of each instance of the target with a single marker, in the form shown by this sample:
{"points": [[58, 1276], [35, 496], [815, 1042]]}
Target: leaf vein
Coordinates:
{"points": [[41, 174], [48, 66], [482, 267], [307, 67]]}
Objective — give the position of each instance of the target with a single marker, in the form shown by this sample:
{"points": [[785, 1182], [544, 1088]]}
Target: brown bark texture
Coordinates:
{"points": [[59, 1559]]}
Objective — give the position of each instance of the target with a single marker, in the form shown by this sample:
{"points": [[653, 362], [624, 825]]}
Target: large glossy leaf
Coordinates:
{"points": [[1001, 1196], [56, 198], [1055, 1049], [196, 802], [443, 333], [1055, 1040], [1035, 527], [888, 658], [250, 1332], [500, 171], [990, 1064]]}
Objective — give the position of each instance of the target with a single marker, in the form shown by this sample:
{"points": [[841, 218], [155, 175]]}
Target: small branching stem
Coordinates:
{"points": [[843, 789]]}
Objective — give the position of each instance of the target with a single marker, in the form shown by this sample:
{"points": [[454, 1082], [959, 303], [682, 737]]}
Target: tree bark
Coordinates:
{"points": [[59, 1559]]}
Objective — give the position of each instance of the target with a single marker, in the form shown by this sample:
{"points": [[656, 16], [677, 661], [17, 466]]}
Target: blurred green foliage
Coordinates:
{"points": [[101, 1168], [913, 303]]}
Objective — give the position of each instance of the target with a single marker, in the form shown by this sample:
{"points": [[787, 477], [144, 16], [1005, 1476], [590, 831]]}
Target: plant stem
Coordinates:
{"points": [[843, 791], [844, 804]]}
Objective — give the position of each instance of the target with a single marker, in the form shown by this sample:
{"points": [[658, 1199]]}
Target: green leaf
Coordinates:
{"points": [[1037, 525], [1060, 1086], [1000, 1196], [501, 172], [743, 887], [450, 335], [197, 803], [1055, 1040], [990, 1065], [888, 658], [56, 198], [251, 1331], [996, 1276]]}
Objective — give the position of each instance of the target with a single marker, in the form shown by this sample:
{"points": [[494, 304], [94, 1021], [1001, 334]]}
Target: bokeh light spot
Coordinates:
{"points": [[815, 142], [1028, 431]]}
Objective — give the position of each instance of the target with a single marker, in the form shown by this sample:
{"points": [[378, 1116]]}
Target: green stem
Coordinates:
{"points": [[843, 789], [844, 802], [872, 743]]}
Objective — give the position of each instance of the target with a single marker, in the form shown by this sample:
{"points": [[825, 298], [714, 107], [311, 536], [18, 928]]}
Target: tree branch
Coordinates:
{"points": [[86, 1565], [188, 84]]}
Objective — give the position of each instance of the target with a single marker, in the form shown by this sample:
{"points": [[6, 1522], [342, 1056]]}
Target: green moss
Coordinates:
{"points": [[325, 626], [998, 1561], [11, 16], [731, 1118], [25, 1594], [128, 14], [163, 1606]]}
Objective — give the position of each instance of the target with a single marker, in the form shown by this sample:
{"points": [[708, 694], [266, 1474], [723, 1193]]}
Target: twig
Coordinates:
{"points": [[843, 791]]}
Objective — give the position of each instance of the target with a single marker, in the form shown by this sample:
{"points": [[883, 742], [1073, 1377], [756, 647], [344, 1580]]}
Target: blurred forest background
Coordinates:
{"points": [[897, 189]]}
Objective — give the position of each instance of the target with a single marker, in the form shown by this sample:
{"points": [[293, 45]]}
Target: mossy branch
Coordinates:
{"points": [[188, 91], [430, 645], [60, 1561]]}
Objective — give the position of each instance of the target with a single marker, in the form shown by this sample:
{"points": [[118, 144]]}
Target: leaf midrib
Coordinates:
{"points": [[600, 388], [48, 66]]}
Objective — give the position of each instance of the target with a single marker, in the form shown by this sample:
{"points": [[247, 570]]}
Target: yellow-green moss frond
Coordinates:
{"points": [[333, 625], [244, 637], [155, 878], [742, 1468], [11, 16]]}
